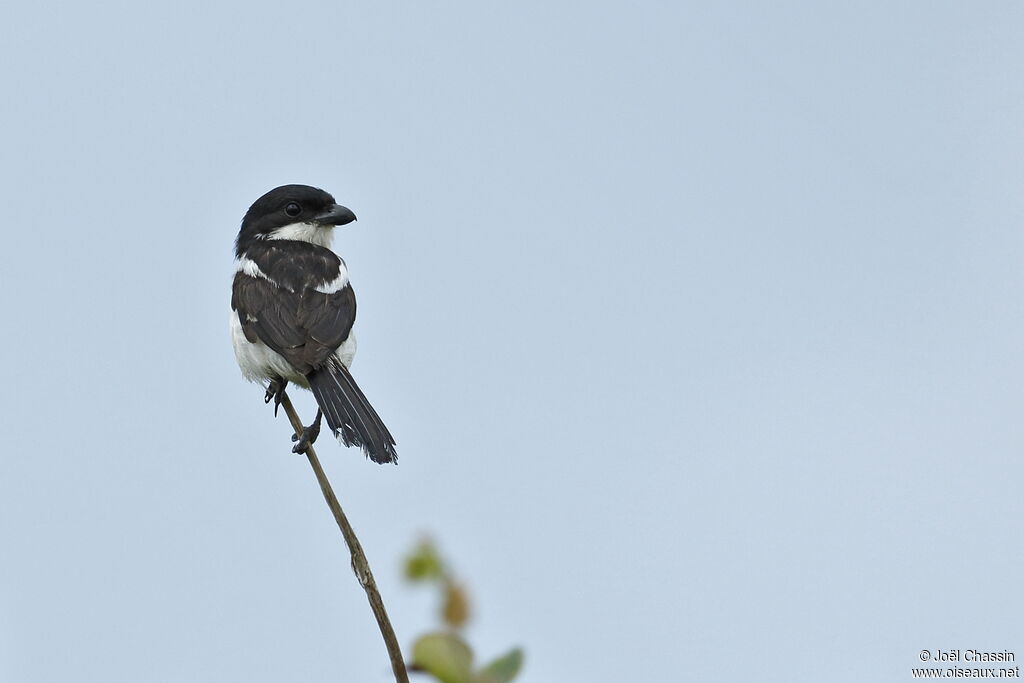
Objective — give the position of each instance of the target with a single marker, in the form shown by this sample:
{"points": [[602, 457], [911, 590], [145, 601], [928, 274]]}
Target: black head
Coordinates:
{"points": [[290, 205]]}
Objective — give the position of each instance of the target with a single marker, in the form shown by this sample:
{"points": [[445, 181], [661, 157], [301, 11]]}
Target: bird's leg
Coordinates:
{"points": [[308, 436], [275, 390]]}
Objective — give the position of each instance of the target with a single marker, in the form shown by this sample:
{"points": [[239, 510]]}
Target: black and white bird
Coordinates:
{"points": [[292, 314]]}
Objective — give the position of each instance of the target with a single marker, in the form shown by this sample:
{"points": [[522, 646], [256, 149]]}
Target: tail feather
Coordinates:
{"points": [[349, 415]]}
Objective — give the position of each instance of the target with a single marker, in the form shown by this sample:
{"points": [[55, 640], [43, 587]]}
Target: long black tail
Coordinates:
{"points": [[349, 415]]}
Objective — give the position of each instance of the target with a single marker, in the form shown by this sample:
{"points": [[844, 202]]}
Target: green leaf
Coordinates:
{"points": [[444, 655], [503, 669], [423, 563]]}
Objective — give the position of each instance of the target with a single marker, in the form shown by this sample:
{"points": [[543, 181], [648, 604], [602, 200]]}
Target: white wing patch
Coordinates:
{"points": [[337, 283], [250, 268]]}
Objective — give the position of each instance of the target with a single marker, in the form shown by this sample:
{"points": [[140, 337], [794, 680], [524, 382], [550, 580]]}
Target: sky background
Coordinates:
{"points": [[699, 326]]}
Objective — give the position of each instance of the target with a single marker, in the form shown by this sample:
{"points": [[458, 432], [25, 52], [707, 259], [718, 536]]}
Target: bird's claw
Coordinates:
{"points": [[305, 440], [275, 392]]}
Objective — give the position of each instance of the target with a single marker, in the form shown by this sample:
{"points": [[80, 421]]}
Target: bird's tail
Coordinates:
{"points": [[349, 415]]}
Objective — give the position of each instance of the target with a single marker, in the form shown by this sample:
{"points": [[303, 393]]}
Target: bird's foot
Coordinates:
{"points": [[305, 440], [275, 392]]}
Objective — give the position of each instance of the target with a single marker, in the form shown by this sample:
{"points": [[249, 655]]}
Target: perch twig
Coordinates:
{"points": [[359, 563]]}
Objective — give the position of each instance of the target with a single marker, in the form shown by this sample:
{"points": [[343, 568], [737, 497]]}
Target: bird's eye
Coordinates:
{"points": [[293, 209]]}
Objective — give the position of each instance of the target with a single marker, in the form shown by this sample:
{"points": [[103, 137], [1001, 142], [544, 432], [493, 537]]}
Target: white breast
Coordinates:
{"points": [[260, 363]]}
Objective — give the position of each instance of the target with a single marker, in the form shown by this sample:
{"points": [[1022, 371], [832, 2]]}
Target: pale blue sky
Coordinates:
{"points": [[699, 327]]}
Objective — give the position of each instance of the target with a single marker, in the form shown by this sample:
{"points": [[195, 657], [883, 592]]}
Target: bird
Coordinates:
{"points": [[292, 312]]}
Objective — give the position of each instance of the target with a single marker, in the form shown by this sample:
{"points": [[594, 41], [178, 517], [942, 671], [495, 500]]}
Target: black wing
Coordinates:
{"points": [[281, 307]]}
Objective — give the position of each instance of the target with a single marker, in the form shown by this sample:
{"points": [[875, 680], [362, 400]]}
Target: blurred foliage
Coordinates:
{"points": [[456, 605], [444, 654], [423, 563]]}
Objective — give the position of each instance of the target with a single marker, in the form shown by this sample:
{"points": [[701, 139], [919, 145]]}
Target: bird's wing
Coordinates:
{"points": [[283, 302]]}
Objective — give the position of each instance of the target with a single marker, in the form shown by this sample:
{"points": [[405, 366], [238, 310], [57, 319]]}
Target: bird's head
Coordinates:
{"points": [[292, 212]]}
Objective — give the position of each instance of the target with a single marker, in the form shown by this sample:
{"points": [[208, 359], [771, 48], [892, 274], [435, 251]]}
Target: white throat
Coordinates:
{"points": [[305, 232]]}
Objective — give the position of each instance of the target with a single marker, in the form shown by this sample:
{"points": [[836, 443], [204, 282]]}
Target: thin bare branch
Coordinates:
{"points": [[359, 564]]}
